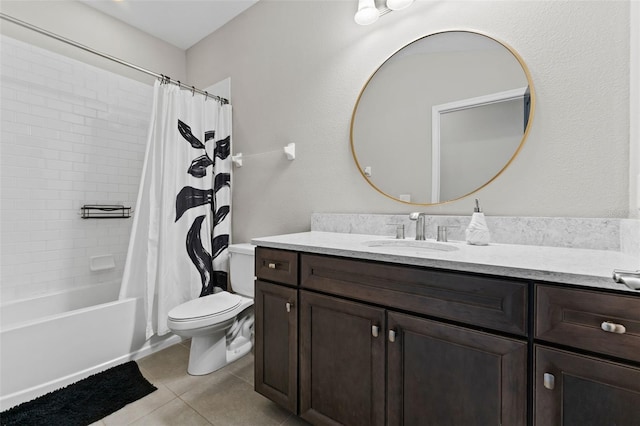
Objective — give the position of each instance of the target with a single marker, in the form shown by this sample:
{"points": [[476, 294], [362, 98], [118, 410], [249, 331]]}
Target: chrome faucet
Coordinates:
{"points": [[419, 218]]}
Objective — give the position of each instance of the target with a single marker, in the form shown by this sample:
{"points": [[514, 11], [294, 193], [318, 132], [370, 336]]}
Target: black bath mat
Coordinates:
{"points": [[84, 402]]}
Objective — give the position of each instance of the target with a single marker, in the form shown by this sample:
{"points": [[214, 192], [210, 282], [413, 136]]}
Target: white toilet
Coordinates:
{"points": [[220, 325]]}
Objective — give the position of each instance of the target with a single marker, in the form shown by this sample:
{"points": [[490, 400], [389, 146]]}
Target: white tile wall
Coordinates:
{"points": [[71, 134]]}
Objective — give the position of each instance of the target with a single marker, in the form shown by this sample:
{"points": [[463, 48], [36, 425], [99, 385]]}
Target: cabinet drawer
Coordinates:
{"points": [[574, 318], [490, 302], [277, 265]]}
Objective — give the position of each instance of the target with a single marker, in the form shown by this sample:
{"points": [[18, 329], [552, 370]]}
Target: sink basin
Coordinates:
{"points": [[413, 244]]}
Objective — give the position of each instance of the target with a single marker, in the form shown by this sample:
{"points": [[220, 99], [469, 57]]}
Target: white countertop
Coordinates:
{"points": [[592, 268]]}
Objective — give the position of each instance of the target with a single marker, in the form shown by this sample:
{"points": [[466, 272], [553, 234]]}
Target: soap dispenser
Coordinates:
{"points": [[477, 232]]}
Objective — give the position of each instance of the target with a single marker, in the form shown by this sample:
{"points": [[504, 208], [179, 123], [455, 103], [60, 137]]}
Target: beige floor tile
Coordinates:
{"points": [[242, 368], [233, 402], [141, 407], [167, 363], [174, 413], [169, 367], [98, 423], [294, 421]]}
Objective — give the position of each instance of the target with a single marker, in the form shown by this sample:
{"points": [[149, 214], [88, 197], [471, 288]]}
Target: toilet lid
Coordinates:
{"points": [[207, 306]]}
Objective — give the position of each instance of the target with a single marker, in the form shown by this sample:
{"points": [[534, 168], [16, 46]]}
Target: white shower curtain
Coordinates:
{"points": [[181, 227]]}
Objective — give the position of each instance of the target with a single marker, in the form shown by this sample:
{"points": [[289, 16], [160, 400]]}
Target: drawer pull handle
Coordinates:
{"points": [[549, 381], [612, 327], [272, 266], [392, 336], [375, 330], [288, 305]]}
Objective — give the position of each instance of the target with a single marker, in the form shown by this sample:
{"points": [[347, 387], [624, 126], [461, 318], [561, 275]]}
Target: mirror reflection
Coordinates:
{"points": [[442, 117]]}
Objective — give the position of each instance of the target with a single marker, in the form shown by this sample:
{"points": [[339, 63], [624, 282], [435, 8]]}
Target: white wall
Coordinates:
{"points": [[72, 134], [87, 26], [634, 114], [297, 68]]}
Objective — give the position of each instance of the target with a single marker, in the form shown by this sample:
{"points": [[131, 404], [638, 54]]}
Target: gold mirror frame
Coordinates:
{"points": [[527, 74]]}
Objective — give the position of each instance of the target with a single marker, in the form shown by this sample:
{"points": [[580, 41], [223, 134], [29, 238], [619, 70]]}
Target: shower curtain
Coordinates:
{"points": [[180, 232]]}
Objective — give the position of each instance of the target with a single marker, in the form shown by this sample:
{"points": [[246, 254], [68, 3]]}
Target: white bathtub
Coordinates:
{"points": [[44, 346]]}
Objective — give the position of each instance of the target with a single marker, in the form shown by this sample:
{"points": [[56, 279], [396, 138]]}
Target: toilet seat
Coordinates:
{"points": [[207, 310], [206, 306]]}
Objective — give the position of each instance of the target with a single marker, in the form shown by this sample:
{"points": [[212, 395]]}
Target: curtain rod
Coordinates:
{"points": [[163, 78]]}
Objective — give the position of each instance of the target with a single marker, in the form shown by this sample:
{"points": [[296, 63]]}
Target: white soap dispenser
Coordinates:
{"points": [[477, 232]]}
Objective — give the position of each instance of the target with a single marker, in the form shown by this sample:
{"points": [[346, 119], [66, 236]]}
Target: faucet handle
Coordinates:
{"points": [[441, 234], [399, 230]]}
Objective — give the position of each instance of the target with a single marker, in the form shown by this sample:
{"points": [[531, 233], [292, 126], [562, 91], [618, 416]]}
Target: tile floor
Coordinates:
{"points": [[222, 398]]}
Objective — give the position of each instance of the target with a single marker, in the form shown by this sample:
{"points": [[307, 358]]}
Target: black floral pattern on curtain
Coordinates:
{"points": [[190, 197]]}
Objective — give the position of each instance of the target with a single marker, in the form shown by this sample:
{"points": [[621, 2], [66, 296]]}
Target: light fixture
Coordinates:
{"points": [[398, 4], [367, 12]]}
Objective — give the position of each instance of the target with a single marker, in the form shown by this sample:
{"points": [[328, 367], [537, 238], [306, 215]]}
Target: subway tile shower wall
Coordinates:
{"points": [[72, 134]]}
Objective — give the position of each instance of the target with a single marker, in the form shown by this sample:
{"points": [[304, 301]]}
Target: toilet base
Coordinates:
{"points": [[211, 350], [208, 353], [239, 351]]}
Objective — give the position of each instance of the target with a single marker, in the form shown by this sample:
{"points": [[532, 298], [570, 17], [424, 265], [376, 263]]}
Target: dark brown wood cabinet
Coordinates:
{"points": [[573, 389], [341, 341], [443, 375], [342, 361], [576, 318], [483, 301], [276, 343]]}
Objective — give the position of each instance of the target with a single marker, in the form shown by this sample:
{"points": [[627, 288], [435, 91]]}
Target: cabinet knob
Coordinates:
{"points": [[271, 266], [375, 330], [549, 381], [392, 336], [288, 305], [612, 327]]}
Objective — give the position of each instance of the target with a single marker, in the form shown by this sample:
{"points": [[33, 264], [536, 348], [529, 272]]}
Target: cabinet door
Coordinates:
{"points": [[342, 361], [440, 374], [276, 337], [572, 389]]}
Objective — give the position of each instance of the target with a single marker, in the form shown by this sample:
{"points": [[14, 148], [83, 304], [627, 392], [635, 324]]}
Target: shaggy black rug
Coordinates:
{"points": [[83, 402]]}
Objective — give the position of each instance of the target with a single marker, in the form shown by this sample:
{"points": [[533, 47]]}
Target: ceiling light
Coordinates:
{"points": [[367, 12], [398, 4]]}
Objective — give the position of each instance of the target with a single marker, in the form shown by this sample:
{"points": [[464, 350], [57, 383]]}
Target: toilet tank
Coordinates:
{"points": [[241, 268]]}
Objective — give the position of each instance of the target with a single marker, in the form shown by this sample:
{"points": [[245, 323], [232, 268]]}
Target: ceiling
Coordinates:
{"points": [[181, 23]]}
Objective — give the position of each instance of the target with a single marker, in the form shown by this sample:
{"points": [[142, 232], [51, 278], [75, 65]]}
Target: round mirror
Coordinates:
{"points": [[442, 117]]}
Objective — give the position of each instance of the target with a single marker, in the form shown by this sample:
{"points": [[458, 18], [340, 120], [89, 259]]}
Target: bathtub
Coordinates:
{"points": [[50, 342]]}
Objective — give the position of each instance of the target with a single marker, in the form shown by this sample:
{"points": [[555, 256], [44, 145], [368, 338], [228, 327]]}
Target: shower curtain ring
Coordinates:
{"points": [[193, 90], [206, 95]]}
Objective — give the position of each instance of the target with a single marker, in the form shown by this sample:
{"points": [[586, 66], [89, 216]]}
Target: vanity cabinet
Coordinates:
{"points": [[342, 361], [276, 327], [572, 388], [436, 373], [357, 342], [443, 374]]}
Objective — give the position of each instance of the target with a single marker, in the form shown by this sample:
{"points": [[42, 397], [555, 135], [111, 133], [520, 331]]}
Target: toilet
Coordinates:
{"points": [[220, 325]]}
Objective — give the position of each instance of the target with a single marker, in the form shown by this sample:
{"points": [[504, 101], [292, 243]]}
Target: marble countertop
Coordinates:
{"points": [[586, 267]]}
